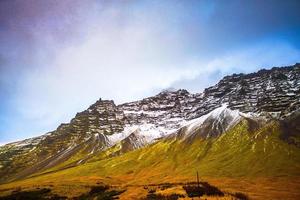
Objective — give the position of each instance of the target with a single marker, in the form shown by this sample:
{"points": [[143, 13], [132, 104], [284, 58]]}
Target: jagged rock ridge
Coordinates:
{"points": [[270, 93]]}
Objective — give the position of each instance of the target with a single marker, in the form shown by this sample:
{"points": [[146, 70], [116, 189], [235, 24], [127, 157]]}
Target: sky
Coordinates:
{"points": [[59, 56]]}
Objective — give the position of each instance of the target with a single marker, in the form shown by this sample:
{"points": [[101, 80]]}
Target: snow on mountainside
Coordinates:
{"points": [[212, 124], [268, 93], [218, 115]]}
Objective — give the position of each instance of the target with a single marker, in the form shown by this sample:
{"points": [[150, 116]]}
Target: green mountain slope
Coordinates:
{"points": [[238, 152]]}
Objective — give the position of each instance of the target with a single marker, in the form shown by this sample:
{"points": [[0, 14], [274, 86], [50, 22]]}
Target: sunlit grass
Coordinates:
{"points": [[239, 160]]}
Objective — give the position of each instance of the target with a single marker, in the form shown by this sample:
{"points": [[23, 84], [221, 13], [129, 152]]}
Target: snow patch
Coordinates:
{"points": [[117, 137], [147, 132], [218, 114]]}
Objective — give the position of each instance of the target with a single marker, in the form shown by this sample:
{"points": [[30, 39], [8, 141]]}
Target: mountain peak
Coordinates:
{"points": [[174, 91], [211, 124], [273, 94]]}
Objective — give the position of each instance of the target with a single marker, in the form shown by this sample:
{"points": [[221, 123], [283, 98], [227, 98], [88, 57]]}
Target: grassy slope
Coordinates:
{"points": [[236, 154]]}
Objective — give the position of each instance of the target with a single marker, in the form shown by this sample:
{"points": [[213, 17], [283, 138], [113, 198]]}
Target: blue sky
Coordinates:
{"points": [[58, 57]]}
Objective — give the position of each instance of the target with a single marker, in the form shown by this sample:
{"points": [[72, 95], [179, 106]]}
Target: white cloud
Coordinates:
{"points": [[121, 62], [123, 59], [127, 64], [264, 54]]}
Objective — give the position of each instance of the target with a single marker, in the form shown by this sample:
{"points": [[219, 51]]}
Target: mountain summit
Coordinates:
{"points": [[252, 115]]}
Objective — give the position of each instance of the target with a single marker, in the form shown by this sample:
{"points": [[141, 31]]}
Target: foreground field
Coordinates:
{"points": [[126, 187]]}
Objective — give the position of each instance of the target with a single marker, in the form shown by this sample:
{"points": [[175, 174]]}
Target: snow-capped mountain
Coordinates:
{"points": [[212, 124], [264, 95]]}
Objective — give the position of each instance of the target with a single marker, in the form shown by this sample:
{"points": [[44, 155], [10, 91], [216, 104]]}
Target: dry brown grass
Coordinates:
{"points": [[259, 188], [133, 192], [287, 188]]}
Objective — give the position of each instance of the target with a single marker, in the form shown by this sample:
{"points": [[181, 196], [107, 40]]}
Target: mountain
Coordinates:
{"points": [[245, 125]]}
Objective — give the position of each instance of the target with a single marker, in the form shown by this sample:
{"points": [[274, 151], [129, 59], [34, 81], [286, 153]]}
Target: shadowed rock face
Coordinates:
{"points": [[87, 132], [272, 93], [290, 129], [132, 142]]}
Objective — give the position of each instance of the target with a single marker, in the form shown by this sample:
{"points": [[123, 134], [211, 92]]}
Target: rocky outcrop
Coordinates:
{"points": [[273, 93]]}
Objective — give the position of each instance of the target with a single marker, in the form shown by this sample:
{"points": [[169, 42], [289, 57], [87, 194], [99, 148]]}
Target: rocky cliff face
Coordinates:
{"points": [[271, 93], [275, 91]]}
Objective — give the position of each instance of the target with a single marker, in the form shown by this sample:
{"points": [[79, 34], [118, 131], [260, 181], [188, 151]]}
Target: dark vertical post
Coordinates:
{"points": [[198, 184]]}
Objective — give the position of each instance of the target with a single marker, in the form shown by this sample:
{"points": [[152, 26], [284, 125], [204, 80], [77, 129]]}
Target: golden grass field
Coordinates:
{"points": [[255, 188]]}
